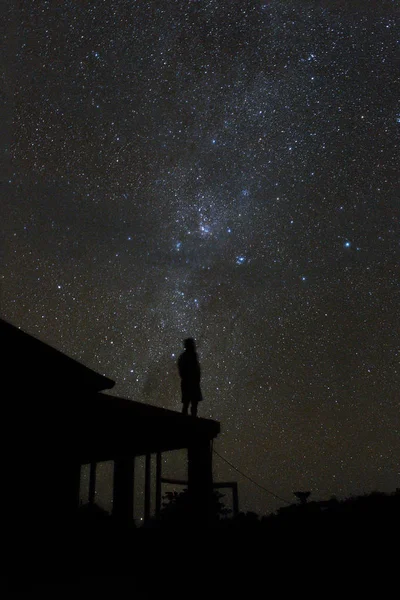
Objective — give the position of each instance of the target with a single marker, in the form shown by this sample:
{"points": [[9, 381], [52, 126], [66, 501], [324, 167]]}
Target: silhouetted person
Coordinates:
{"points": [[189, 371]]}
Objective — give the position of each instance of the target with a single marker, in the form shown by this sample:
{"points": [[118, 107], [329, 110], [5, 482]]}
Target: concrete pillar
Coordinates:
{"points": [[124, 472], [56, 491], [67, 480], [200, 484]]}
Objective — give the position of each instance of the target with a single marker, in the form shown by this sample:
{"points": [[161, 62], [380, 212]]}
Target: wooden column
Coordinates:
{"points": [[92, 483], [235, 499], [147, 488], [158, 485], [124, 472]]}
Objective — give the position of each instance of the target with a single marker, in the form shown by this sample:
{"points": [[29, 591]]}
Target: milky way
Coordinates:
{"points": [[225, 170]]}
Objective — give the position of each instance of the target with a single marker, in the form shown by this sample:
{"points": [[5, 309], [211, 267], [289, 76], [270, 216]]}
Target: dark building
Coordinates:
{"points": [[60, 419]]}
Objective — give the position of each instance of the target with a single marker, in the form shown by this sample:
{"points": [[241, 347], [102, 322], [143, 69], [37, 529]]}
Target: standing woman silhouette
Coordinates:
{"points": [[190, 374]]}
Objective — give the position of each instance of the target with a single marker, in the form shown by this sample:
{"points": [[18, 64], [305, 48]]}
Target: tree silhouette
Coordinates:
{"points": [[177, 509]]}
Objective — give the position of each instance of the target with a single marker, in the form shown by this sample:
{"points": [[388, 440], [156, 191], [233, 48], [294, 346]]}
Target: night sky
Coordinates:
{"points": [[227, 170]]}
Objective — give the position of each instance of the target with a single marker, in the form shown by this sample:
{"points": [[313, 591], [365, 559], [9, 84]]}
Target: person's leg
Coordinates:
{"points": [[185, 408], [193, 409]]}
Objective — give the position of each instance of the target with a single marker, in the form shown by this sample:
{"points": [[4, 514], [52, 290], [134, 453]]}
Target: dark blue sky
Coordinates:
{"points": [[229, 171]]}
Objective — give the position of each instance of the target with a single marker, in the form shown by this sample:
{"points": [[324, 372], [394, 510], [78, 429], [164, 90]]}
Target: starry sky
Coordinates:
{"points": [[227, 170]]}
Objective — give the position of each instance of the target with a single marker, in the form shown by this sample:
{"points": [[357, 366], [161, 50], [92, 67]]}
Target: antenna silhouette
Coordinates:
{"points": [[302, 496]]}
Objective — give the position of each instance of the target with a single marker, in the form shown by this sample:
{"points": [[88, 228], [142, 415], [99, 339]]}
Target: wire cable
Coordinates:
{"points": [[252, 480]]}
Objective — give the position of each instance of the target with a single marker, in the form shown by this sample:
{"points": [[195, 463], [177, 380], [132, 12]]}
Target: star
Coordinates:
{"points": [[175, 134]]}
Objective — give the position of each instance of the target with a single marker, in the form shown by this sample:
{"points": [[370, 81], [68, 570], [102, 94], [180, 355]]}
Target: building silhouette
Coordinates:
{"points": [[59, 417]]}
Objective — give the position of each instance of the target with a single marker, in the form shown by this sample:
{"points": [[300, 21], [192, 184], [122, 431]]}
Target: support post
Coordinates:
{"points": [[158, 485], [147, 488], [92, 483], [124, 472], [67, 486], [235, 499], [200, 484]]}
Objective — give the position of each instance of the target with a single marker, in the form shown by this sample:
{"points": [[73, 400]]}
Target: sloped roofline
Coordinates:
{"points": [[39, 358]]}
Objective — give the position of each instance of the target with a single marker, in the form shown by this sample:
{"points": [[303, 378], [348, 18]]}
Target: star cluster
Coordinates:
{"points": [[226, 170]]}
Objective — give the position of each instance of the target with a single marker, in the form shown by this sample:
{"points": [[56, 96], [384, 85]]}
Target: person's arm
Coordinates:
{"points": [[181, 366], [198, 371]]}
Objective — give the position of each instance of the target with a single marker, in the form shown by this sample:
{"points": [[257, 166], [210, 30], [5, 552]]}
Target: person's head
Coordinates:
{"points": [[189, 344]]}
